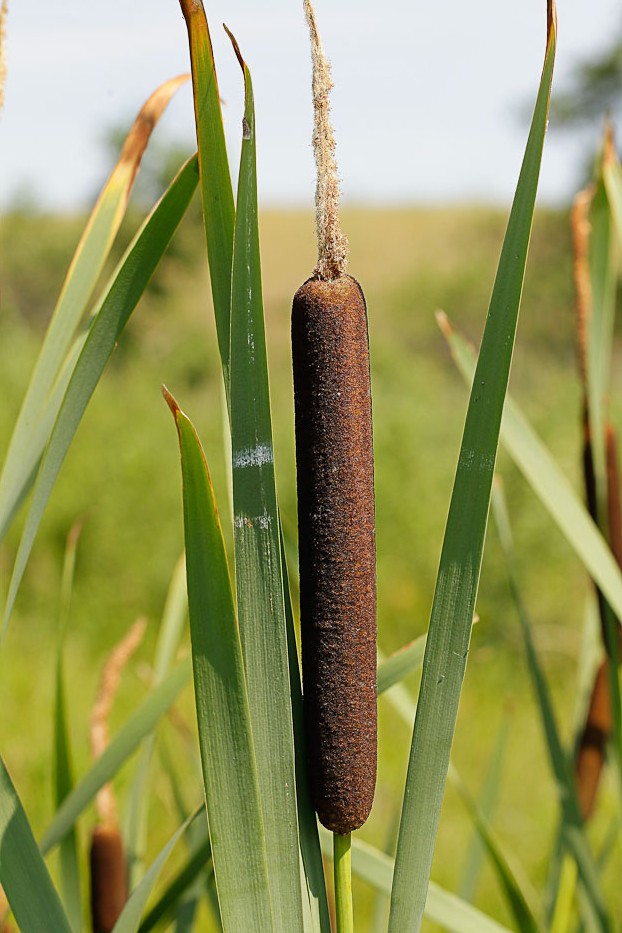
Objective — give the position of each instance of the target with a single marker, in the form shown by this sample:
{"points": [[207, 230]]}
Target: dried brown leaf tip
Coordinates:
{"points": [[148, 116]]}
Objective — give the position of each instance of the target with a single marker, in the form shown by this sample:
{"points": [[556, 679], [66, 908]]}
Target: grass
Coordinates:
{"points": [[133, 532]]}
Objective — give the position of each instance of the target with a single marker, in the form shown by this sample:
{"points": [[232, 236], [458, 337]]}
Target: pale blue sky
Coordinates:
{"points": [[426, 102]]}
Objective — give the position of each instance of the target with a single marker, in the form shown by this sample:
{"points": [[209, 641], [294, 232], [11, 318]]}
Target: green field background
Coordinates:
{"points": [[122, 480]]}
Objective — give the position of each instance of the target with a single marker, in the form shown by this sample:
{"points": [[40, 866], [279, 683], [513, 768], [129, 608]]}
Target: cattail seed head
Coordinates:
{"points": [[108, 877], [334, 458]]}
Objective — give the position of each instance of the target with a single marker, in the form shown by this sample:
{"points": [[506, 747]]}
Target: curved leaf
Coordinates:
{"points": [[121, 297]]}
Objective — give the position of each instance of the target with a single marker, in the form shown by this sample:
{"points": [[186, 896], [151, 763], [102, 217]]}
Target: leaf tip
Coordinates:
{"points": [[188, 7], [444, 324], [551, 21], [236, 47], [171, 402], [144, 124]]}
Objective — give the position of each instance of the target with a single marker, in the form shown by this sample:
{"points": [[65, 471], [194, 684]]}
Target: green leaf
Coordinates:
{"points": [[441, 907], [259, 573], [227, 754], [485, 805], [216, 190], [458, 577], [37, 414], [612, 174], [63, 770], [549, 483], [173, 619], [600, 325], [120, 298], [400, 664], [515, 899], [23, 874], [572, 831], [177, 887], [129, 920], [139, 724]]}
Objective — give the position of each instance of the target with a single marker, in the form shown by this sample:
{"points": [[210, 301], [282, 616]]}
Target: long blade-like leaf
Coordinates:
{"points": [[141, 722], [572, 825], [441, 907], [121, 297], [399, 665], [129, 920], [32, 428], [549, 483], [514, 897], [23, 873], [216, 190], [63, 769], [177, 887], [173, 619], [259, 574], [458, 577], [227, 755]]}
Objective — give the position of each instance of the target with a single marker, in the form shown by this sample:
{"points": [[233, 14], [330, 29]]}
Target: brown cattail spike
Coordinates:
{"points": [[591, 752], [108, 878], [334, 458]]}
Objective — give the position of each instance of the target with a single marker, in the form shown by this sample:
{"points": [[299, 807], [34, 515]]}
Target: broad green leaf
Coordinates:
{"points": [[63, 778], [258, 569], [400, 664], [227, 755], [458, 577], [35, 420], [441, 907], [129, 920], [23, 874], [572, 832], [138, 725], [117, 304], [216, 190], [549, 483]]}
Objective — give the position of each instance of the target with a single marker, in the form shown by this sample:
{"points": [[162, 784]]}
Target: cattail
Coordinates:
{"points": [[108, 877], [591, 751], [108, 864], [334, 458]]}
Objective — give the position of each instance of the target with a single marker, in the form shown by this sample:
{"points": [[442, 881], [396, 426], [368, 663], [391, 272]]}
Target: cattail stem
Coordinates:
{"points": [[343, 882]]}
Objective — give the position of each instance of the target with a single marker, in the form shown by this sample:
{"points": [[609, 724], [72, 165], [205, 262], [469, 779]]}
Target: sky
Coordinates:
{"points": [[431, 100]]}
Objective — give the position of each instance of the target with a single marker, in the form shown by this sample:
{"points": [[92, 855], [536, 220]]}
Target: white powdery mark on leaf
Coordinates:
{"points": [[246, 521], [253, 456]]}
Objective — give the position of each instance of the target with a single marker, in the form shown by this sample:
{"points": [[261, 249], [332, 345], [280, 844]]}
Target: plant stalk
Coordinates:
{"points": [[343, 882]]}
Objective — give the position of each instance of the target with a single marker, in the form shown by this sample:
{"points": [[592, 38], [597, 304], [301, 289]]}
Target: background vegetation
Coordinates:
{"points": [[121, 480]]}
